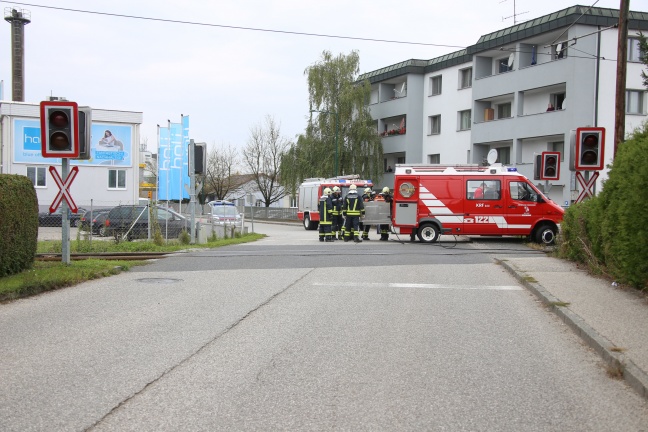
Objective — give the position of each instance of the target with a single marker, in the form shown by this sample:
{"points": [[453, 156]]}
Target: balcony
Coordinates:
{"points": [[392, 126], [388, 91], [532, 125], [394, 144]]}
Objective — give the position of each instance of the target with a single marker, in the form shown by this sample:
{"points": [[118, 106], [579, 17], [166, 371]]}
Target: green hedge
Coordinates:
{"points": [[610, 232], [18, 224]]}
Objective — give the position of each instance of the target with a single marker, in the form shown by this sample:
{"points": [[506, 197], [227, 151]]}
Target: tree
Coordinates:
{"points": [[643, 56], [289, 176], [221, 165], [335, 96], [262, 156]]}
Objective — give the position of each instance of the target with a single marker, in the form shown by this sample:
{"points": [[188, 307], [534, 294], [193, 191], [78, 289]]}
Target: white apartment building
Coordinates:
{"points": [[495, 95], [111, 177]]}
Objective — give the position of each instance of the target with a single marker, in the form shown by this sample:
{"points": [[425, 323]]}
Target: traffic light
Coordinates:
{"points": [[85, 126], [200, 158], [550, 166], [59, 129], [589, 149]]}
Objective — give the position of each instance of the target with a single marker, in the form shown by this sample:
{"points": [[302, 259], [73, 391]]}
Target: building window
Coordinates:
{"points": [[464, 120], [503, 155], [434, 158], [635, 102], [435, 85], [560, 50], [37, 175], [400, 160], [557, 100], [465, 78], [634, 55], [504, 110], [434, 125], [116, 179], [503, 65]]}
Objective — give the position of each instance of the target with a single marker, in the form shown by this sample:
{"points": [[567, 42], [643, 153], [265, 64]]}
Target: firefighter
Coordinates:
{"points": [[353, 209], [368, 196], [325, 209], [384, 228], [337, 219]]}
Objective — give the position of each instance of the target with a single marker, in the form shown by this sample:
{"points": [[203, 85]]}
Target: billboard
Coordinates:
{"points": [[111, 144]]}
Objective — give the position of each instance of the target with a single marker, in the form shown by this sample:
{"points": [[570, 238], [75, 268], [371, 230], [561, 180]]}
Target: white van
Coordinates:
{"points": [[224, 213]]}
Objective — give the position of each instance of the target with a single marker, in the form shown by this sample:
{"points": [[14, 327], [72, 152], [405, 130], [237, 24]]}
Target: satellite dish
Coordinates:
{"points": [[492, 156], [511, 59], [564, 104]]}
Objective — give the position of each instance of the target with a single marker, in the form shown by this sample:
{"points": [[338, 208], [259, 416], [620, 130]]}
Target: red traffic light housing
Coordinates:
{"points": [[589, 149], [59, 129], [550, 166]]}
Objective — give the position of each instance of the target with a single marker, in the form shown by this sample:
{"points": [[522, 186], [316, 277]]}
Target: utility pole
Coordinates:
{"points": [[622, 62]]}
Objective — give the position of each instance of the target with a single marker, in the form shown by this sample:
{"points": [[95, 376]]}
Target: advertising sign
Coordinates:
{"points": [[111, 144]]}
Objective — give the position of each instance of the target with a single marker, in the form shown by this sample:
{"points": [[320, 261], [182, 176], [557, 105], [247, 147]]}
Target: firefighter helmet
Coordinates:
{"points": [[367, 191], [336, 189], [328, 191], [353, 187], [385, 190]]}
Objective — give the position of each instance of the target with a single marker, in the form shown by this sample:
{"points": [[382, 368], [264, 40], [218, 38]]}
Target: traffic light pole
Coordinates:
{"points": [[192, 191], [65, 220]]}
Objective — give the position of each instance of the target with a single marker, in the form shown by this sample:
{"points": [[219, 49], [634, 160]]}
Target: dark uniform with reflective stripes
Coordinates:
{"points": [[338, 220], [352, 208], [325, 209]]}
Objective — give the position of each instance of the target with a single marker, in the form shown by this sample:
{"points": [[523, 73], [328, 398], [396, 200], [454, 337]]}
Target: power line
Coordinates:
{"points": [[236, 27]]}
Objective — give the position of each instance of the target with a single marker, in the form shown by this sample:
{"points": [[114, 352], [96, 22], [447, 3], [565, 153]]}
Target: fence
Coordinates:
{"points": [[90, 220]]}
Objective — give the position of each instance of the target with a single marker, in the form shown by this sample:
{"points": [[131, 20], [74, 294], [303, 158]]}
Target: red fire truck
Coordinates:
{"points": [[430, 200], [312, 189]]}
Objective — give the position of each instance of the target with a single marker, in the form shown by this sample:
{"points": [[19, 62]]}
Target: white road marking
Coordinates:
{"points": [[420, 286]]}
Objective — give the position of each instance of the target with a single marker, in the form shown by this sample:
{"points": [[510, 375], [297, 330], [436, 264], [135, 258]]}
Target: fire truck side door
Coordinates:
{"points": [[484, 207], [522, 206]]}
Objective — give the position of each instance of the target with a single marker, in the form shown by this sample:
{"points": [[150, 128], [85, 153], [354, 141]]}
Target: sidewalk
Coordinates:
{"points": [[611, 320]]}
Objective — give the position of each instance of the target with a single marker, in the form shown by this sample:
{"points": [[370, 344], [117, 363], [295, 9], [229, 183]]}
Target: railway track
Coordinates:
{"points": [[122, 256]]}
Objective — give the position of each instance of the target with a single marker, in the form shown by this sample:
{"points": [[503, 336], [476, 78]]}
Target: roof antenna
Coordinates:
{"points": [[514, 13]]}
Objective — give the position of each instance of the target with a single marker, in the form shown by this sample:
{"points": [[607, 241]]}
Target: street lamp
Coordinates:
{"points": [[337, 123]]}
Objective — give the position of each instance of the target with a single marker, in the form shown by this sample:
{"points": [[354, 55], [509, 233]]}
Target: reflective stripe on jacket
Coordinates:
{"points": [[353, 205]]}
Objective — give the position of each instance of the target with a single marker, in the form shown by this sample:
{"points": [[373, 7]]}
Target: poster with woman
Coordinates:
{"points": [[111, 144]]}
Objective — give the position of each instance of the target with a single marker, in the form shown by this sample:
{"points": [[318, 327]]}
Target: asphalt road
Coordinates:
{"points": [[292, 334]]}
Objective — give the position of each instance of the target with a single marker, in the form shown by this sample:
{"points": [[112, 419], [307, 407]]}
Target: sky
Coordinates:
{"points": [[196, 58]]}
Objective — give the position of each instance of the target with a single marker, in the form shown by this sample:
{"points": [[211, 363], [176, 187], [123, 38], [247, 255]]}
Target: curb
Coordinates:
{"points": [[634, 376]]}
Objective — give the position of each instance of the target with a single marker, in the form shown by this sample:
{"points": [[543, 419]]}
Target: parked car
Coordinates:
{"points": [[224, 213], [132, 222], [47, 219], [98, 222]]}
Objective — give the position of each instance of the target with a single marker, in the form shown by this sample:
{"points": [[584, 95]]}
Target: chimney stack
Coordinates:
{"points": [[18, 18]]}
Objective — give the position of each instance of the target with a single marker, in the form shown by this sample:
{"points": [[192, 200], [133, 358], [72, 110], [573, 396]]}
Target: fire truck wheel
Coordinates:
{"points": [[308, 224], [428, 233], [545, 235]]}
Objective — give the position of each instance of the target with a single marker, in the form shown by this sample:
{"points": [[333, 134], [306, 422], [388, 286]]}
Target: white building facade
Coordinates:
{"points": [[111, 176], [497, 94]]}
